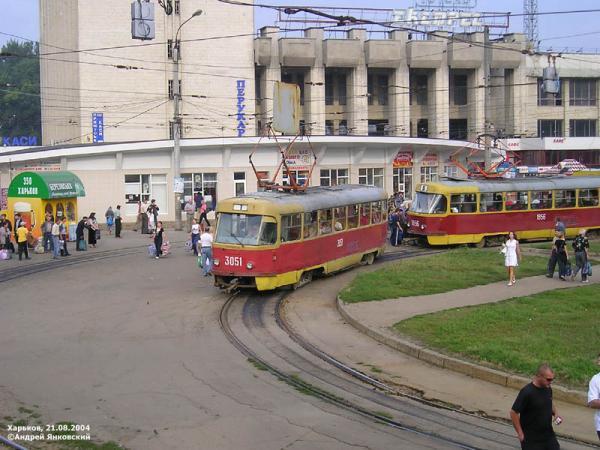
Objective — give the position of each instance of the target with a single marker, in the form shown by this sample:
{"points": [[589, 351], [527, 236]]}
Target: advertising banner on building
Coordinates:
{"points": [[98, 127], [430, 160], [403, 159], [298, 158]]}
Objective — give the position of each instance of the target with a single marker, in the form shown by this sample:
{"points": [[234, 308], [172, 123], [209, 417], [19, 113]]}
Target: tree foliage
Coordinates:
{"points": [[20, 90]]}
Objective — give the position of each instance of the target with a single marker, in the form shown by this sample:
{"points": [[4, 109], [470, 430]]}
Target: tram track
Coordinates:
{"points": [[411, 413]]}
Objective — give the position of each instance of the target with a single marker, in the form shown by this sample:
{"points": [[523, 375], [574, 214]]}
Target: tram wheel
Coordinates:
{"points": [[368, 259], [305, 278], [482, 243]]}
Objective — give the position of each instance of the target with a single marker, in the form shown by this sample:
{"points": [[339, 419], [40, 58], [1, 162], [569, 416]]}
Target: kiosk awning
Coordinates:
{"points": [[46, 185]]}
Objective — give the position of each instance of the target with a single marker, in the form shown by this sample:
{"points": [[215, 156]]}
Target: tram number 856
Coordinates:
{"points": [[235, 261]]}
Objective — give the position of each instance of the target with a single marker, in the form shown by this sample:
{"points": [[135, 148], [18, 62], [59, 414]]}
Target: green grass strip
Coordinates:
{"points": [[559, 327], [457, 269]]}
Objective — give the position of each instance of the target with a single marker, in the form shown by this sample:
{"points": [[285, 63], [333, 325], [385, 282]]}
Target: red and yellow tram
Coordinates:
{"points": [[480, 211], [269, 239]]}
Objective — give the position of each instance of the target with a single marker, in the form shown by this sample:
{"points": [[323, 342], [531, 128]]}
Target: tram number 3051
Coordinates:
{"points": [[235, 261]]}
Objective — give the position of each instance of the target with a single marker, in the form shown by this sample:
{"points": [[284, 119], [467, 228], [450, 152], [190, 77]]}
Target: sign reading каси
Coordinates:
{"points": [[18, 141]]}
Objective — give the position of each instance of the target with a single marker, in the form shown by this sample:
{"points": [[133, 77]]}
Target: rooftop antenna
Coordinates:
{"points": [[530, 22]]}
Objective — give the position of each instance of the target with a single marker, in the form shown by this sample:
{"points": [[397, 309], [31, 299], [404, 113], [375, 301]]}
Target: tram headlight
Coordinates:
{"points": [[216, 262], [249, 265]]}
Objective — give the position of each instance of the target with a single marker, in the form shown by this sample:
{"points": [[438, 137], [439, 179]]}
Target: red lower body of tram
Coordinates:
{"points": [[294, 263]]}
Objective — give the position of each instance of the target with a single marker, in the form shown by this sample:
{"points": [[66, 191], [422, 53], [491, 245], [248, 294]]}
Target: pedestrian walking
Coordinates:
{"points": [[92, 226], [562, 255], [533, 410], [203, 212], [395, 229], [158, 238], [79, 238], [55, 238], [189, 213], [118, 221], [153, 211], [195, 236], [110, 219], [22, 233], [47, 232], [63, 236], [206, 241], [581, 247], [594, 397], [512, 256]]}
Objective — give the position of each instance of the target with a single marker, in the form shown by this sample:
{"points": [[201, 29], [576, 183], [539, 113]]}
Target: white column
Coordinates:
{"points": [[314, 86], [358, 103]]}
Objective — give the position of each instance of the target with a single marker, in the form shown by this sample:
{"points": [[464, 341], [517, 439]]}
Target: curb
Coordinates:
{"points": [[455, 364]]}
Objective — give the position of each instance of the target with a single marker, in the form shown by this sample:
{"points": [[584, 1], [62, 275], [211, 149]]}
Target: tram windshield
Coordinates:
{"points": [[425, 203], [244, 229]]}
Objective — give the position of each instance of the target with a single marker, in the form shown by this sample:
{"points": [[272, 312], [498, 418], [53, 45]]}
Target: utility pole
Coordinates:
{"points": [[177, 121], [487, 62]]}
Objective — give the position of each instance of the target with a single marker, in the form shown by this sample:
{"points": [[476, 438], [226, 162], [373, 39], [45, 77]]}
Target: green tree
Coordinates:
{"points": [[20, 90]]}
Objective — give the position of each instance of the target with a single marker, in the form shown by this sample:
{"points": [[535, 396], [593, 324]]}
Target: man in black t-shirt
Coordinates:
{"points": [[532, 413]]}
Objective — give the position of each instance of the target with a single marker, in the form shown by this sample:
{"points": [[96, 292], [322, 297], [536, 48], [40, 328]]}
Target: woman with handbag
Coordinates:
{"points": [[581, 247], [92, 226], [512, 256]]}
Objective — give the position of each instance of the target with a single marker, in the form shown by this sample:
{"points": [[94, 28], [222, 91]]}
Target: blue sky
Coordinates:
{"points": [[20, 17]]}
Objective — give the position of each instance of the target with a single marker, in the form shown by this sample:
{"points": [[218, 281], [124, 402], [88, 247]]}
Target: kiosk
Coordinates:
{"points": [[33, 194]]}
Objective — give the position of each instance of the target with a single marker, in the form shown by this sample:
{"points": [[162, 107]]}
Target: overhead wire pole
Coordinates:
{"points": [[487, 62], [177, 123]]}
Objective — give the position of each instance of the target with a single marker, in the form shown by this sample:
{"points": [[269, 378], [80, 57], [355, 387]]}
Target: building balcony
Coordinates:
{"points": [[385, 53], [297, 52], [342, 52], [425, 54]]}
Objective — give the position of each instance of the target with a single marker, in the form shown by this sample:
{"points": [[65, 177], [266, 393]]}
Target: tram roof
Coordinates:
{"points": [[318, 197], [524, 184]]}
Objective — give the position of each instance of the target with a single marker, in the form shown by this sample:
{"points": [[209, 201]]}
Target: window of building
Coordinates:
{"points": [[451, 171], [371, 177], [342, 92], [382, 89], [170, 48], [300, 176], [239, 183], [378, 128], [459, 92], [582, 128], [418, 90], [550, 128], [370, 89], [329, 89], [177, 7], [402, 181], [202, 183], [291, 227], [564, 199], [588, 197], [490, 201], [334, 177], [458, 129], [329, 127], [423, 128], [541, 199], [343, 128], [516, 201], [546, 99], [463, 203], [582, 92], [145, 187], [429, 174]]}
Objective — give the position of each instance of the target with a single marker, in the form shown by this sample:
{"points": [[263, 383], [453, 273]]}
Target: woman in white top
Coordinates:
{"points": [[512, 256]]}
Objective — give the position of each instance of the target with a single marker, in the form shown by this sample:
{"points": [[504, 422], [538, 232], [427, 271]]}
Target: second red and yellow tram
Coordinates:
{"points": [[269, 239]]}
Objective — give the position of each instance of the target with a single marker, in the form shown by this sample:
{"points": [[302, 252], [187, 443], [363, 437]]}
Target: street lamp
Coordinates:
{"points": [[177, 119]]}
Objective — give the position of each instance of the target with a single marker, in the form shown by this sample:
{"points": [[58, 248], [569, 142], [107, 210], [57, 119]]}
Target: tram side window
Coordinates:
{"points": [[291, 226], [490, 201], [324, 221], [339, 218], [365, 214], [541, 199], [564, 199], [353, 216], [311, 224], [376, 212], [588, 197], [463, 203], [516, 201]]}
